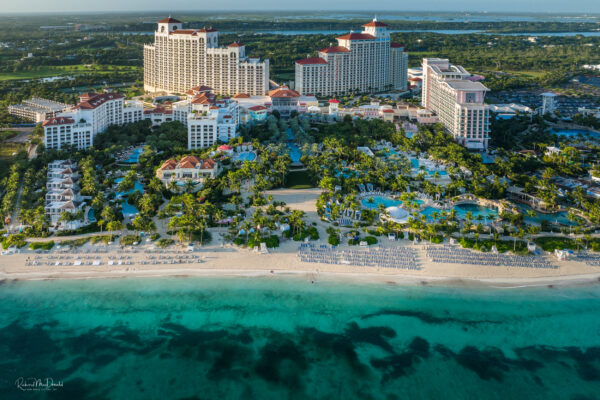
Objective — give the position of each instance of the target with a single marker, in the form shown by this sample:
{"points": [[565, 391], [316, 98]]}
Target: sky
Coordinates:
{"points": [[69, 6]]}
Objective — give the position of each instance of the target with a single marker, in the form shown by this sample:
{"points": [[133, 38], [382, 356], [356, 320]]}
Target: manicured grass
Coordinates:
{"points": [[60, 70], [551, 243], [8, 149], [530, 74], [298, 180]]}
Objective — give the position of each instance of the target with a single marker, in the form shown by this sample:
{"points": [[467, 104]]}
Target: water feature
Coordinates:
{"points": [[561, 218], [429, 171], [377, 200], [575, 132], [294, 151], [91, 215], [461, 210], [134, 156], [128, 209], [279, 338]]}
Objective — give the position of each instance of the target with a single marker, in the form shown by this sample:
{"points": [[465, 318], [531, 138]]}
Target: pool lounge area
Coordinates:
{"points": [[429, 168]]}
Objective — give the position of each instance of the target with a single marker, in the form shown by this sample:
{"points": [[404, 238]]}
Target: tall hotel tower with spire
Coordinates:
{"points": [[181, 59], [361, 62]]}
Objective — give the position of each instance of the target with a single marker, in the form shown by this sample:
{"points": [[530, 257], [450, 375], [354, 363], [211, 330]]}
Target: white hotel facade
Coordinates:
{"points": [[181, 59], [449, 91], [361, 62], [78, 126]]}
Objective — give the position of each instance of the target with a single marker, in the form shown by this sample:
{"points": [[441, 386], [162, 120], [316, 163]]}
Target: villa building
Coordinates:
{"points": [[181, 59], [458, 101], [208, 118], [188, 169], [37, 109], [62, 190], [361, 62], [78, 126]]}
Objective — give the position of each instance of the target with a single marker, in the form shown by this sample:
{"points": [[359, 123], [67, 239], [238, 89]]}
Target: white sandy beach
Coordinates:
{"points": [[217, 259]]}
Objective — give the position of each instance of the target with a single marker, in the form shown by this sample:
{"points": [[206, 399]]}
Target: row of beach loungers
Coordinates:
{"points": [[64, 260], [592, 260], [458, 255], [397, 257]]}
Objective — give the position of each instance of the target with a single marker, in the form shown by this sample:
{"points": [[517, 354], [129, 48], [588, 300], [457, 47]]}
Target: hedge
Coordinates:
{"points": [[41, 245]]}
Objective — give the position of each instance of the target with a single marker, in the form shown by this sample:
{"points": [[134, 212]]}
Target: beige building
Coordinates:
{"points": [[458, 100], [181, 59], [361, 62], [188, 169]]}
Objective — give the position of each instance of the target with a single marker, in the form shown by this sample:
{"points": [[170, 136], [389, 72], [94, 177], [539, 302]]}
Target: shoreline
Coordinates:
{"points": [[315, 277]]}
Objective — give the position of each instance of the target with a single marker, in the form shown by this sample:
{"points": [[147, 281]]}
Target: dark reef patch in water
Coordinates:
{"points": [[428, 318]]}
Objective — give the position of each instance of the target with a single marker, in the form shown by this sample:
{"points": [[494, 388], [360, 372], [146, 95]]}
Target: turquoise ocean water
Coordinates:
{"points": [[278, 338]]}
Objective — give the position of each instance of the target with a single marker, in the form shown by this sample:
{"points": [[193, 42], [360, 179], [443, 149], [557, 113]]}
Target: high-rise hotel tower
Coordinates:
{"points": [[181, 59], [361, 62]]}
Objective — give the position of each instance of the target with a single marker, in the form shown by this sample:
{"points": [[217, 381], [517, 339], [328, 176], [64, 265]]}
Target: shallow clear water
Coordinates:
{"points": [[574, 133], [377, 200], [554, 218], [134, 157], [193, 338], [246, 156], [487, 213]]}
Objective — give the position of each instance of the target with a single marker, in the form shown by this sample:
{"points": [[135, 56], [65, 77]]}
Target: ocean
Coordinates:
{"points": [[286, 338]]}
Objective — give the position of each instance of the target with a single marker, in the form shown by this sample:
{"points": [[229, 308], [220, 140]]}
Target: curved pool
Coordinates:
{"points": [[487, 213], [377, 200]]}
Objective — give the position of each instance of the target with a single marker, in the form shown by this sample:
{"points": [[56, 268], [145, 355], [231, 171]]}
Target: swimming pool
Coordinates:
{"points": [[461, 210], [377, 200], [294, 152], [128, 209], [561, 218], [91, 215], [419, 202], [574, 133], [415, 165], [134, 157], [246, 156], [136, 186]]}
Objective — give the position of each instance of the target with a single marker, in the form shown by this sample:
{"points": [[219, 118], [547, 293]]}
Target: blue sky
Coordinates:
{"points": [[66, 6]]}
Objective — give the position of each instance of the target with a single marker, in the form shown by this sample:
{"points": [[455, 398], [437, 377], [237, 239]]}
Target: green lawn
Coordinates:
{"points": [[528, 74], [7, 149], [60, 70], [298, 180]]}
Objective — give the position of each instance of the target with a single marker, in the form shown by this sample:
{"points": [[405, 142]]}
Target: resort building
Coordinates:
{"points": [[181, 59], [451, 92], [37, 109], [549, 103], [78, 126], [208, 118], [283, 100], [62, 190], [361, 62], [188, 169]]}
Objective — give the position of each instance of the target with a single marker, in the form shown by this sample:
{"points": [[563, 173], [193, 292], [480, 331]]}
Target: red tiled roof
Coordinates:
{"points": [[335, 101], [334, 49], [89, 103], [224, 147], [375, 23], [169, 20], [357, 36], [241, 96], [283, 91], [257, 108], [311, 60], [396, 45], [169, 164], [58, 121], [388, 110], [183, 32], [416, 79], [236, 44]]}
